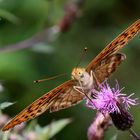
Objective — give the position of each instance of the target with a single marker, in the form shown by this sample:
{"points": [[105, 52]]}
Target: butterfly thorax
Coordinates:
{"points": [[82, 77]]}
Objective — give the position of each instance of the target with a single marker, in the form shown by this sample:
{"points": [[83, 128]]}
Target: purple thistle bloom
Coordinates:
{"points": [[109, 100], [112, 102], [127, 101]]}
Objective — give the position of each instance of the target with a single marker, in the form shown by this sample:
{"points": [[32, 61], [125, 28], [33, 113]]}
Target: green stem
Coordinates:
{"points": [[134, 134]]}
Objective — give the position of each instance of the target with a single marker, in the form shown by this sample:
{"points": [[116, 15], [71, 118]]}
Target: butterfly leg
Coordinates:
{"points": [[92, 74], [80, 90]]}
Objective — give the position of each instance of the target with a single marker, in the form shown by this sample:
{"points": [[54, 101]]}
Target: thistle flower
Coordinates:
{"points": [[109, 100], [113, 101]]}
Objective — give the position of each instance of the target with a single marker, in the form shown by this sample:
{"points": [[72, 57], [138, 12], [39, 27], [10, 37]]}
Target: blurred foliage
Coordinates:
{"points": [[99, 23]]}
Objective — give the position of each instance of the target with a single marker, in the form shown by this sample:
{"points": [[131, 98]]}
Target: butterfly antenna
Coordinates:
{"points": [[82, 56], [50, 78]]}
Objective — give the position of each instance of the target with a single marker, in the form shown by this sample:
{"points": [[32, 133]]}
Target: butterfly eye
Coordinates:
{"points": [[80, 75]]}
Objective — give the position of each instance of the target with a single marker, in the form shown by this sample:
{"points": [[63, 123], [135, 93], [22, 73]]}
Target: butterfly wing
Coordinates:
{"points": [[48, 102], [108, 60], [66, 100], [108, 66], [118, 43]]}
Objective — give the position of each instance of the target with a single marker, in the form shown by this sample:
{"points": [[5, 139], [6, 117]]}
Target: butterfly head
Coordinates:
{"points": [[78, 73], [83, 77]]}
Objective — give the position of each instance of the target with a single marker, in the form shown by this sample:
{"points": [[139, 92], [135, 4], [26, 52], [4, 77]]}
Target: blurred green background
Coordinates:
{"points": [[98, 23]]}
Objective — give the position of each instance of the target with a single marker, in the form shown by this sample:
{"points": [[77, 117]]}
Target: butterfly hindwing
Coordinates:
{"points": [[72, 97], [108, 66]]}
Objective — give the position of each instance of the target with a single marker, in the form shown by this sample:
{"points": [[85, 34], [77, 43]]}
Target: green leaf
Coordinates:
{"points": [[9, 16], [43, 48], [114, 137], [5, 105], [50, 130], [4, 136]]}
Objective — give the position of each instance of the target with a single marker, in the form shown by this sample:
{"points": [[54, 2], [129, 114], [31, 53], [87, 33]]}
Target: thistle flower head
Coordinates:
{"points": [[115, 103], [109, 100]]}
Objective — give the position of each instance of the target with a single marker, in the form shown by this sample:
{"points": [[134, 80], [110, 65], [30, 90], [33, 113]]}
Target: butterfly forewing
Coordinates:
{"points": [[118, 43], [61, 97]]}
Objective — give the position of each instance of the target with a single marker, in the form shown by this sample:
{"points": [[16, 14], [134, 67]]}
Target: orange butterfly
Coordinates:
{"points": [[68, 93]]}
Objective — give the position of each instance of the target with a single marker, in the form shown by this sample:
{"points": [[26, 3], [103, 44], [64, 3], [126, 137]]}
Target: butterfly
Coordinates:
{"points": [[67, 94]]}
